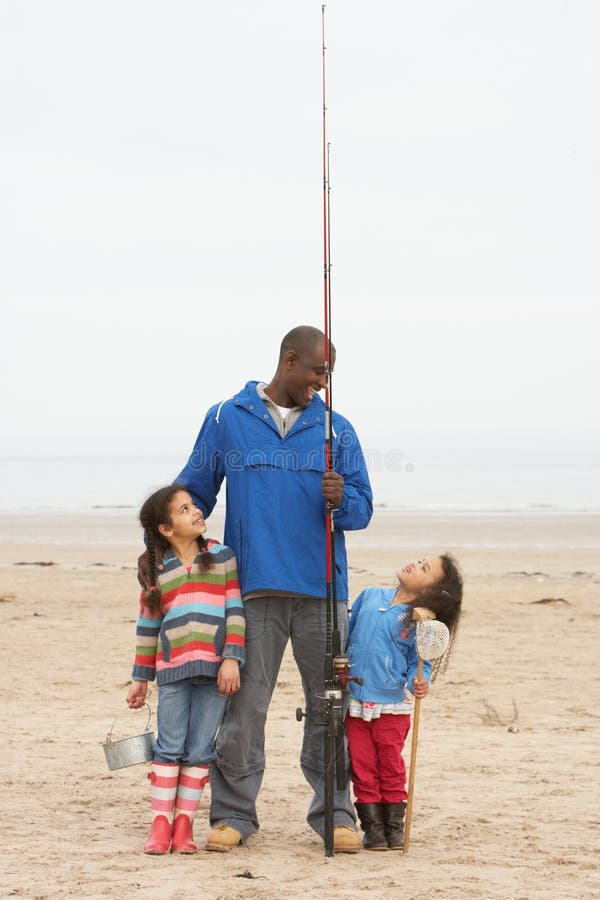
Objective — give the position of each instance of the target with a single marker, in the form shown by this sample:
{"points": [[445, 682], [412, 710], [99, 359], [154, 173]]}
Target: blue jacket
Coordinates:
{"points": [[382, 647], [275, 509]]}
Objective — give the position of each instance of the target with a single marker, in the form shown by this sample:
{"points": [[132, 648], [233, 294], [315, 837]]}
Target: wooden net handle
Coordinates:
{"points": [[413, 763]]}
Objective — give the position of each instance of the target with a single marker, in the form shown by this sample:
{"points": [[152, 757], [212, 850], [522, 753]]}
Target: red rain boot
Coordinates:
{"points": [[163, 779], [192, 781], [183, 838], [159, 839]]}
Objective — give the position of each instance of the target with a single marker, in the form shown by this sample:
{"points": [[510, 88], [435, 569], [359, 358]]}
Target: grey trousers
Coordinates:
{"points": [[237, 773]]}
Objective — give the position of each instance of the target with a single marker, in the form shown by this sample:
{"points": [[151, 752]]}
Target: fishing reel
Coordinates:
{"points": [[341, 669], [333, 692]]}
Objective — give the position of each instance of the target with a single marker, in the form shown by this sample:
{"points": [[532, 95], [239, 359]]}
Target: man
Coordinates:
{"points": [[269, 443]]}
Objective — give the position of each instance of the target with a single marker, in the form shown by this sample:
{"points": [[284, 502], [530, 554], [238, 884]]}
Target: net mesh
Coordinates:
{"points": [[432, 638]]}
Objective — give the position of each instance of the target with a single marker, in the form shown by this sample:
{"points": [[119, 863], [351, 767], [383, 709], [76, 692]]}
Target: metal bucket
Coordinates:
{"points": [[129, 751]]}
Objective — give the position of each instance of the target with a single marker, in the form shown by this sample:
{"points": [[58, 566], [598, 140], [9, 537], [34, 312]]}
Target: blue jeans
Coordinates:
{"points": [[237, 774], [189, 714]]}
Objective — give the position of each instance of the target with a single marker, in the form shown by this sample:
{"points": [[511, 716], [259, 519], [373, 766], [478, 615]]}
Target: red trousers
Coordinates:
{"points": [[378, 770]]}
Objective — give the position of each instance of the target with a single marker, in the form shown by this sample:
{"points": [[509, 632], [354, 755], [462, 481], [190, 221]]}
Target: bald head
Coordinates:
{"points": [[302, 370], [303, 340]]}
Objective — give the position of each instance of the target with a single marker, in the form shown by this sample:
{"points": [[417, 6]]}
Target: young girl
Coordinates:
{"points": [[383, 653], [190, 636]]}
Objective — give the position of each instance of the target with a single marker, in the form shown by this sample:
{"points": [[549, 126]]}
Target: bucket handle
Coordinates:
{"points": [[118, 716]]}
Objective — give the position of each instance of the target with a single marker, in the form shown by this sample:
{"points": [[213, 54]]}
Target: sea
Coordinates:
{"points": [[461, 483]]}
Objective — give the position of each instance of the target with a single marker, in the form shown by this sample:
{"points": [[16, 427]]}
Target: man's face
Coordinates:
{"points": [[305, 374]]}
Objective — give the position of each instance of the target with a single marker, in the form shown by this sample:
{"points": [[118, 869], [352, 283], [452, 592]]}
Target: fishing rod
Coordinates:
{"points": [[335, 774], [331, 621], [336, 664]]}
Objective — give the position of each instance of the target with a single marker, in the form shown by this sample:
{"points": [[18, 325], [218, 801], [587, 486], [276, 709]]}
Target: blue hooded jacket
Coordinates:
{"points": [[275, 509], [382, 648]]}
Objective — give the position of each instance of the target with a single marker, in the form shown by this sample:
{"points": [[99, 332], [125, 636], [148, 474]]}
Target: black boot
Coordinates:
{"points": [[393, 821], [371, 820]]}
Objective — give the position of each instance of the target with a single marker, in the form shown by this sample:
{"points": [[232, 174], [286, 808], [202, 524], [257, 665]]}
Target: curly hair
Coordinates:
{"points": [[444, 599]]}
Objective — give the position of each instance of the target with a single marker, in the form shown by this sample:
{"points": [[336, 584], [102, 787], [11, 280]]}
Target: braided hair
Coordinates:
{"points": [[155, 512]]}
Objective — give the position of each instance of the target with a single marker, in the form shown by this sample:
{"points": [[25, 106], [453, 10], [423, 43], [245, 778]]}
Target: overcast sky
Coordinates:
{"points": [[160, 220]]}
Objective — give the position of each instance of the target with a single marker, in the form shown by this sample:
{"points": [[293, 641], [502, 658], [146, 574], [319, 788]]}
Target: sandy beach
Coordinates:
{"points": [[498, 813]]}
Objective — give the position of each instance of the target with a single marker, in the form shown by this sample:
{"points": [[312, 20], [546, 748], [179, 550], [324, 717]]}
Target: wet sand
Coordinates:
{"points": [[498, 813]]}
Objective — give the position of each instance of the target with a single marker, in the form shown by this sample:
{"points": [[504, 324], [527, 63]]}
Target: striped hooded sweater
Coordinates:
{"points": [[201, 620]]}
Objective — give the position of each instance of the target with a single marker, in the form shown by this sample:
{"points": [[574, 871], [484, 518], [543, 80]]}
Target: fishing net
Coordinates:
{"points": [[432, 638]]}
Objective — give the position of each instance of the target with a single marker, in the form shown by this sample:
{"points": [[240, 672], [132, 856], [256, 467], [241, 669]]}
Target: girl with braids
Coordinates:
{"points": [[190, 637], [383, 656]]}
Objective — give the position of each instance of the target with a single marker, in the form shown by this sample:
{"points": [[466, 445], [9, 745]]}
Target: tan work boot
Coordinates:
{"points": [[345, 840], [223, 838]]}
